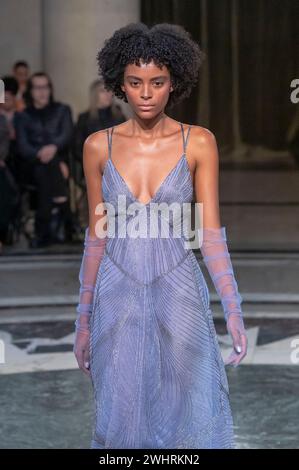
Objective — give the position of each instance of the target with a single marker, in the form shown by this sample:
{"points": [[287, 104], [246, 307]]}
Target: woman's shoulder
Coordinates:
{"points": [[97, 138], [201, 133], [202, 142], [96, 145]]}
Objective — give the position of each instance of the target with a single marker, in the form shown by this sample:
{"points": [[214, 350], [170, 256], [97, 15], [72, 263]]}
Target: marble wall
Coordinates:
{"points": [[62, 38], [20, 33]]}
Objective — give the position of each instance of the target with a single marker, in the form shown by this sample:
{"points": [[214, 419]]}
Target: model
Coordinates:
{"points": [[145, 332]]}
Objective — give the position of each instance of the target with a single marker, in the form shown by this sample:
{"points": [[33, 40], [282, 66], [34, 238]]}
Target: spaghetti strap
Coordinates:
{"points": [[185, 140], [109, 137]]}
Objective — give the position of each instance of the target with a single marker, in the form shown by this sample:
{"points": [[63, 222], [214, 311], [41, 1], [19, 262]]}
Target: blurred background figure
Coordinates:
{"points": [[9, 108], [21, 72], [9, 193], [103, 112], [44, 131]]}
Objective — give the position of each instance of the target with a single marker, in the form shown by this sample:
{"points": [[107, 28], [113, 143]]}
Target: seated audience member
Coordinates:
{"points": [[44, 131], [21, 73]]}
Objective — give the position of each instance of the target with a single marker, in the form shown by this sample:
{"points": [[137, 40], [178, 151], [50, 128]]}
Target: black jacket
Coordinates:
{"points": [[86, 126], [4, 138], [35, 128]]}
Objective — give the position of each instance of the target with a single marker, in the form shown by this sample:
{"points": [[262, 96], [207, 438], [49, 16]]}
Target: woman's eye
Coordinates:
{"points": [[155, 83]]}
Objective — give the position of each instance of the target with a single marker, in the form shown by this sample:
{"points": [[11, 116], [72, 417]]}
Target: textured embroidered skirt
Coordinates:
{"points": [[157, 373]]}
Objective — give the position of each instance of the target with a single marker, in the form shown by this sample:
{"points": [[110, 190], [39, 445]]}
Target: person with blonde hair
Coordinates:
{"points": [[103, 112]]}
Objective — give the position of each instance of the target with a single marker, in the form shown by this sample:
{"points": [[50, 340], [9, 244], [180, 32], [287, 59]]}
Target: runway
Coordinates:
{"points": [[44, 394]]}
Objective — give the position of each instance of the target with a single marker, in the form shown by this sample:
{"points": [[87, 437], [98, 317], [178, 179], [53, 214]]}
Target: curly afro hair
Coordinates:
{"points": [[166, 44]]}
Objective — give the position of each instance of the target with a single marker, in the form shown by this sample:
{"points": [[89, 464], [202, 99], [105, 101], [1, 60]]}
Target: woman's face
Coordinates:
{"points": [[40, 91], [147, 88], [21, 74]]}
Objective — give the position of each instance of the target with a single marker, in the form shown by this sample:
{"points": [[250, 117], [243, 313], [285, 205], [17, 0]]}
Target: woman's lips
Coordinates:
{"points": [[146, 106]]}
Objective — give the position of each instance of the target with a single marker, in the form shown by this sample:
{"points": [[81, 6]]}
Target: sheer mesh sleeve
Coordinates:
{"points": [[217, 260], [92, 256]]}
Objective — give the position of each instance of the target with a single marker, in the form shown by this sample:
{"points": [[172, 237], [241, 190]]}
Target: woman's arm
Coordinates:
{"points": [[94, 149], [206, 181], [24, 146], [213, 244], [64, 133], [94, 245]]}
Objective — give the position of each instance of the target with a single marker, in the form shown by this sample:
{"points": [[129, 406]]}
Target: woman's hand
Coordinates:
{"points": [[81, 350], [47, 153], [64, 169], [236, 329]]}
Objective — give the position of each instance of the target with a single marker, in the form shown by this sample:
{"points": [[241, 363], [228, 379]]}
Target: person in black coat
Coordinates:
{"points": [[44, 131], [9, 192], [103, 112]]}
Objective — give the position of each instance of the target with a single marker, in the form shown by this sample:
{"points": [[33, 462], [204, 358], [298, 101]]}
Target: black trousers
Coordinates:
{"points": [[50, 183]]}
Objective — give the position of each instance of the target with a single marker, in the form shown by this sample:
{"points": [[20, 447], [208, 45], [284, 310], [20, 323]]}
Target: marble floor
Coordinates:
{"points": [[53, 409], [47, 402]]}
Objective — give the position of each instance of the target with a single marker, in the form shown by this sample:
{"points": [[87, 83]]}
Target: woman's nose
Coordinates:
{"points": [[146, 91]]}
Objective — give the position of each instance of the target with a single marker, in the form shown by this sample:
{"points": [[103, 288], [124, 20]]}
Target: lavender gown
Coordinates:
{"points": [[157, 373]]}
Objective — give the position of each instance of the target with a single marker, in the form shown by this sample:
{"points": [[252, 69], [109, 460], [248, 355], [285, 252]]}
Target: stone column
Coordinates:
{"points": [[73, 32]]}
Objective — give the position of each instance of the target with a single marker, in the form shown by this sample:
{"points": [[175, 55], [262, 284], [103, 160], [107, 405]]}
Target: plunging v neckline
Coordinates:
{"points": [[183, 157]]}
